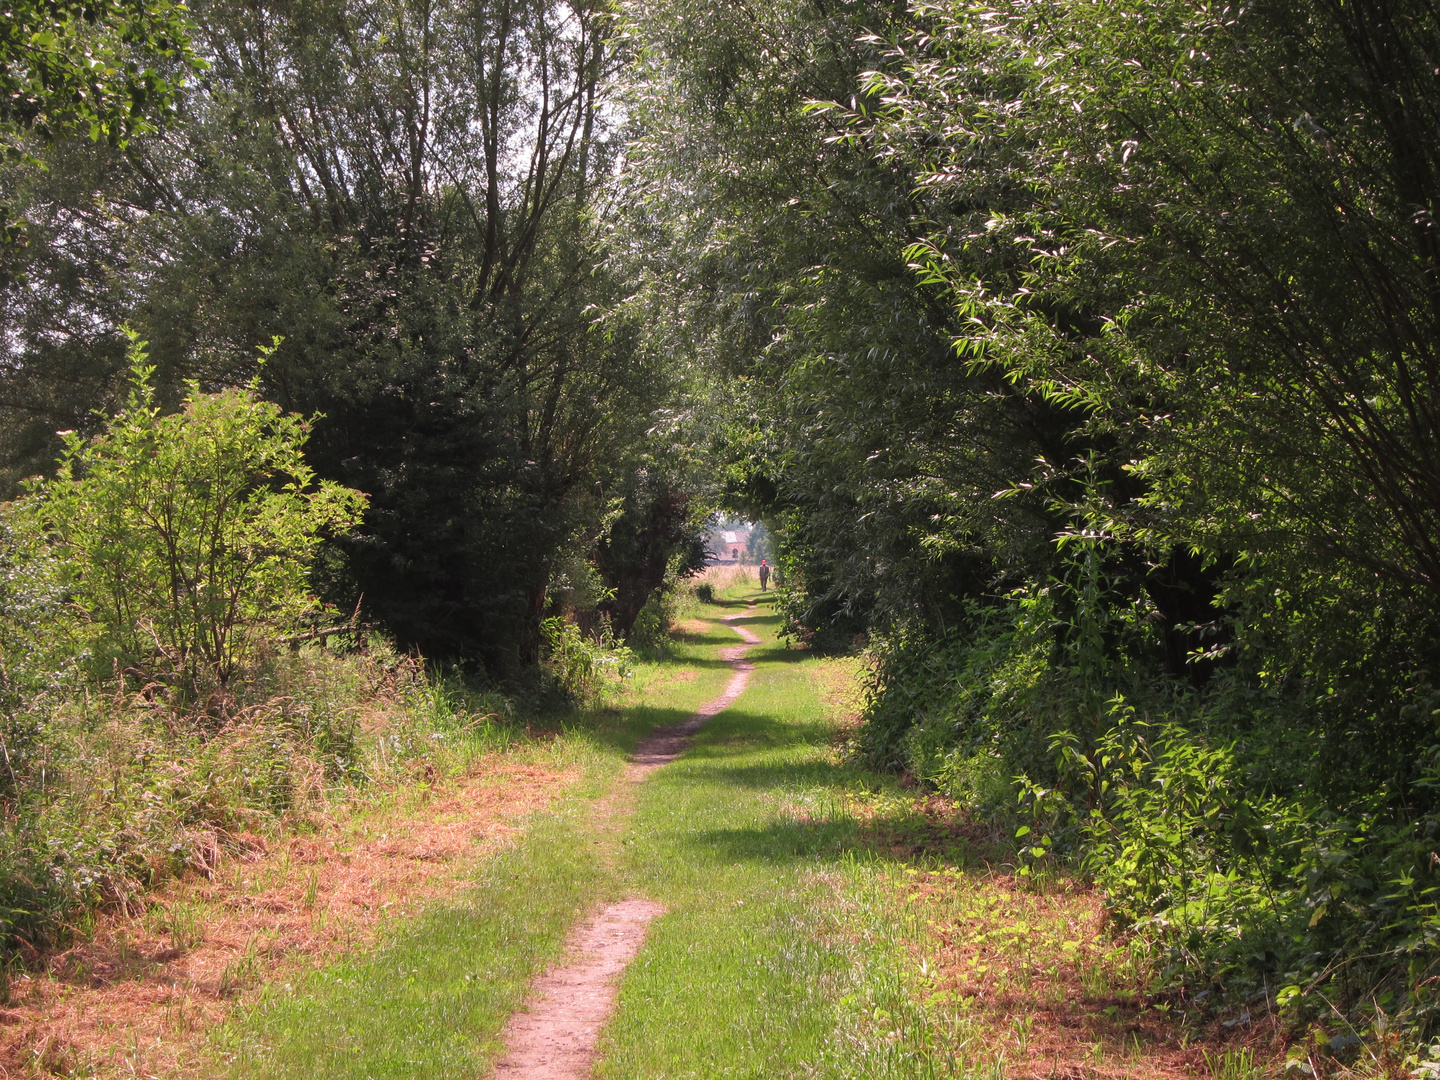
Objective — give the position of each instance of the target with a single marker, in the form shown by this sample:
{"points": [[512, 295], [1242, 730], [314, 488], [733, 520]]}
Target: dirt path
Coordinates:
{"points": [[554, 1036], [664, 745]]}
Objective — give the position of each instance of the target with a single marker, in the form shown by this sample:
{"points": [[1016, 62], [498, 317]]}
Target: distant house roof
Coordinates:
{"points": [[727, 543]]}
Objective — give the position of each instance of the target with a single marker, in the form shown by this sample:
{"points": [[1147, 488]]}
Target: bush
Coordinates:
{"points": [[147, 586], [650, 632], [984, 689], [1213, 816], [585, 670], [183, 542], [107, 796]]}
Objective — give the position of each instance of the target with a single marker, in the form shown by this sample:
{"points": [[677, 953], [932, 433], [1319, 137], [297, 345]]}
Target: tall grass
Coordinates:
{"points": [[106, 793]]}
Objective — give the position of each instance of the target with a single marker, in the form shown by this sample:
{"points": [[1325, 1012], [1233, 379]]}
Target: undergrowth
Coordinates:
{"points": [[108, 794], [167, 695], [1268, 831]]}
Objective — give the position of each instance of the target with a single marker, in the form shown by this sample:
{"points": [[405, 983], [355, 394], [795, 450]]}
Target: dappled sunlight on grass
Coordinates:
{"points": [[1023, 970], [822, 921]]}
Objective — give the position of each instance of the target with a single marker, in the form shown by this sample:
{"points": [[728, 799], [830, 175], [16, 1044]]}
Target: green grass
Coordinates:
{"points": [[795, 943], [767, 964], [432, 999], [776, 957]]}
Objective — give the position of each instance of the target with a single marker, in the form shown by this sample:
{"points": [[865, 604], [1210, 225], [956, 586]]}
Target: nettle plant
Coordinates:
{"points": [[184, 541]]}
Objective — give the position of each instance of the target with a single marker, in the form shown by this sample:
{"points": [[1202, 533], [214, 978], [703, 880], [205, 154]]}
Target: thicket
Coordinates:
{"points": [[163, 700], [168, 694], [108, 793], [1084, 355], [413, 200]]}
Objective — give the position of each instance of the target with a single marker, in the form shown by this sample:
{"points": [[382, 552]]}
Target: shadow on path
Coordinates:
{"points": [[554, 1036]]}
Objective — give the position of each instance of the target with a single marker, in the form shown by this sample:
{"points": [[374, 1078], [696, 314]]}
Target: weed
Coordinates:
{"points": [[240, 972], [124, 797], [1233, 1065], [1021, 1026], [312, 888], [181, 923], [587, 670]]}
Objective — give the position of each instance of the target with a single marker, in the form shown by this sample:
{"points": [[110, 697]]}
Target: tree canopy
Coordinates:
{"points": [[1081, 358], [111, 67]]}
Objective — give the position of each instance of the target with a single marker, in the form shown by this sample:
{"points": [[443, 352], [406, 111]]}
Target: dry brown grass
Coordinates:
{"points": [[725, 576], [139, 994], [1027, 970], [1040, 983], [690, 629], [837, 682]]}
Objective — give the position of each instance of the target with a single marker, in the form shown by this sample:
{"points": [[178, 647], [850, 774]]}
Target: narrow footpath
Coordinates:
{"points": [[724, 893], [555, 1035]]}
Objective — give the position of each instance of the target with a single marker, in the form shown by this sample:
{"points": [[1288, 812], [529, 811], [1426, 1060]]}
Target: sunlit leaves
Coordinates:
{"points": [[185, 540]]}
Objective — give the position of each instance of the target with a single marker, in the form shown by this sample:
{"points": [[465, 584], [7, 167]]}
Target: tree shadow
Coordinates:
{"points": [[781, 654], [719, 603], [719, 636], [622, 729], [733, 727], [838, 808], [899, 835], [699, 661], [768, 619]]}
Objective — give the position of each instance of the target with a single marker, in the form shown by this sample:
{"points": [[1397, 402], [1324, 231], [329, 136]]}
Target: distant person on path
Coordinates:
{"points": [[764, 574]]}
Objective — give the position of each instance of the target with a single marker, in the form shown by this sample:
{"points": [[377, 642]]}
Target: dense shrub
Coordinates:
{"points": [[1213, 817], [181, 543], [583, 669]]}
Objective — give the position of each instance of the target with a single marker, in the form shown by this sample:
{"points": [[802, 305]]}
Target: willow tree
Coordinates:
{"points": [[769, 251], [407, 193]]}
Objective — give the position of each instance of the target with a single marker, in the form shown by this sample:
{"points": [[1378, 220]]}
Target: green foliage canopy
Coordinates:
{"points": [[413, 197], [1212, 230], [113, 67], [769, 252]]}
